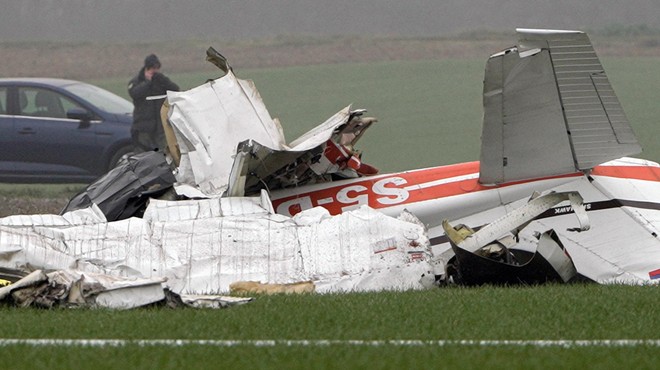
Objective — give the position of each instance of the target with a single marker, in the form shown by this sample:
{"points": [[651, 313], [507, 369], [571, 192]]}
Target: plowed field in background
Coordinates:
{"points": [[85, 61]]}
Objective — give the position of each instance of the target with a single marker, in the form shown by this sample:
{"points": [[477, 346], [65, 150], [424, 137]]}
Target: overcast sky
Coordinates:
{"points": [[126, 20]]}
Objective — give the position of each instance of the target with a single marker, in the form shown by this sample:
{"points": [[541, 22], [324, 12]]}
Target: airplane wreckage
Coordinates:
{"points": [[230, 207]]}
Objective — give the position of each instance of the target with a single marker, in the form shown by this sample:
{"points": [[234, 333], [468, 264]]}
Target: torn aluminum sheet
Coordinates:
{"points": [[308, 162], [107, 291], [493, 254], [68, 287], [123, 191], [205, 245], [520, 217], [210, 121], [72, 288]]}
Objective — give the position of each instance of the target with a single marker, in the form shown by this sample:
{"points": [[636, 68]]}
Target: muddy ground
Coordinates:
{"points": [[12, 205], [87, 61]]}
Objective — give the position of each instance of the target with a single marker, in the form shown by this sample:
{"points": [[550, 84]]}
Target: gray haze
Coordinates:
{"points": [[151, 20]]}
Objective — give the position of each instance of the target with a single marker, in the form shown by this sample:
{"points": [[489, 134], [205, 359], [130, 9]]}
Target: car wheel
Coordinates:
{"points": [[120, 156]]}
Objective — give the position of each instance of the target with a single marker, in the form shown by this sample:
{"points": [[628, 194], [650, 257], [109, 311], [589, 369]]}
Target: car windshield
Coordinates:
{"points": [[103, 99]]}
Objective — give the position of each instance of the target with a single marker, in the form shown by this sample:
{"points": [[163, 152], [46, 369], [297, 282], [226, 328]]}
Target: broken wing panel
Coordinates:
{"points": [[549, 109], [258, 165]]}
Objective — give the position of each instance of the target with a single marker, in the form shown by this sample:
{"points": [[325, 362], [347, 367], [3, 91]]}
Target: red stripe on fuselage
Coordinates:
{"points": [[387, 190], [419, 185], [382, 190]]}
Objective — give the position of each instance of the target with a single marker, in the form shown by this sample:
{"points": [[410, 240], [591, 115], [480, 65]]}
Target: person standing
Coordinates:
{"points": [[147, 130]]}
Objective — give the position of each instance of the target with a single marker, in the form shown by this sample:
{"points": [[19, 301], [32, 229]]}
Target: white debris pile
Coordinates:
{"points": [[205, 245]]}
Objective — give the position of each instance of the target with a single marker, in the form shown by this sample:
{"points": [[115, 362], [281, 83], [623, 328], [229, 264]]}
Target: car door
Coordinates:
{"points": [[7, 149], [48, 142]]}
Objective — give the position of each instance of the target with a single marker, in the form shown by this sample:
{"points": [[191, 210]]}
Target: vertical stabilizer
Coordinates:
{"points": [[549, 109]]}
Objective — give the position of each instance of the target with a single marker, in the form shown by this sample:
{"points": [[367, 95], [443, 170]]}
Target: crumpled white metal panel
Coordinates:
{"points": [[322, 132], [207, 254], [108, 291], [210, 120]]}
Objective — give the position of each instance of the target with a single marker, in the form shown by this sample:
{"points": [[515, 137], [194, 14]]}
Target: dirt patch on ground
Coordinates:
{"points": [[86, 61], [30, 205]]}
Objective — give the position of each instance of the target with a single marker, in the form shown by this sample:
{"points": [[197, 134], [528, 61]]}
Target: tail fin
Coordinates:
{"points": [[549, 109]]}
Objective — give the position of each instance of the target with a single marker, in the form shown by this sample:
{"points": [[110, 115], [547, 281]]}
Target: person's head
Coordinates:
{"points": [[151, 62]]}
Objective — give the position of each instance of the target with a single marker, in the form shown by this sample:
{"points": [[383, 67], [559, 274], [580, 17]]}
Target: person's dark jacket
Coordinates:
{"points": [[146, 113]]}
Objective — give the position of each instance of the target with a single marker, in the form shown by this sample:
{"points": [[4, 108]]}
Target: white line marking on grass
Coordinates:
{"points": [[5, 342]]}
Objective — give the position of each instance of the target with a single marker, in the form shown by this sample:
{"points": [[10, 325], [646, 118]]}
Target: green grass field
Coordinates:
{"points": [[368, 330], [430, 114]]}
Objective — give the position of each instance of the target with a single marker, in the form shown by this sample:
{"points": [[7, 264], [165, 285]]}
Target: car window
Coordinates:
{"points": [[101, 98], [3, 100], [37, 102]]}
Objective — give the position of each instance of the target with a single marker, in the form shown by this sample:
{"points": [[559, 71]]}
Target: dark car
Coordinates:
{"points": [[54, 130]]}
